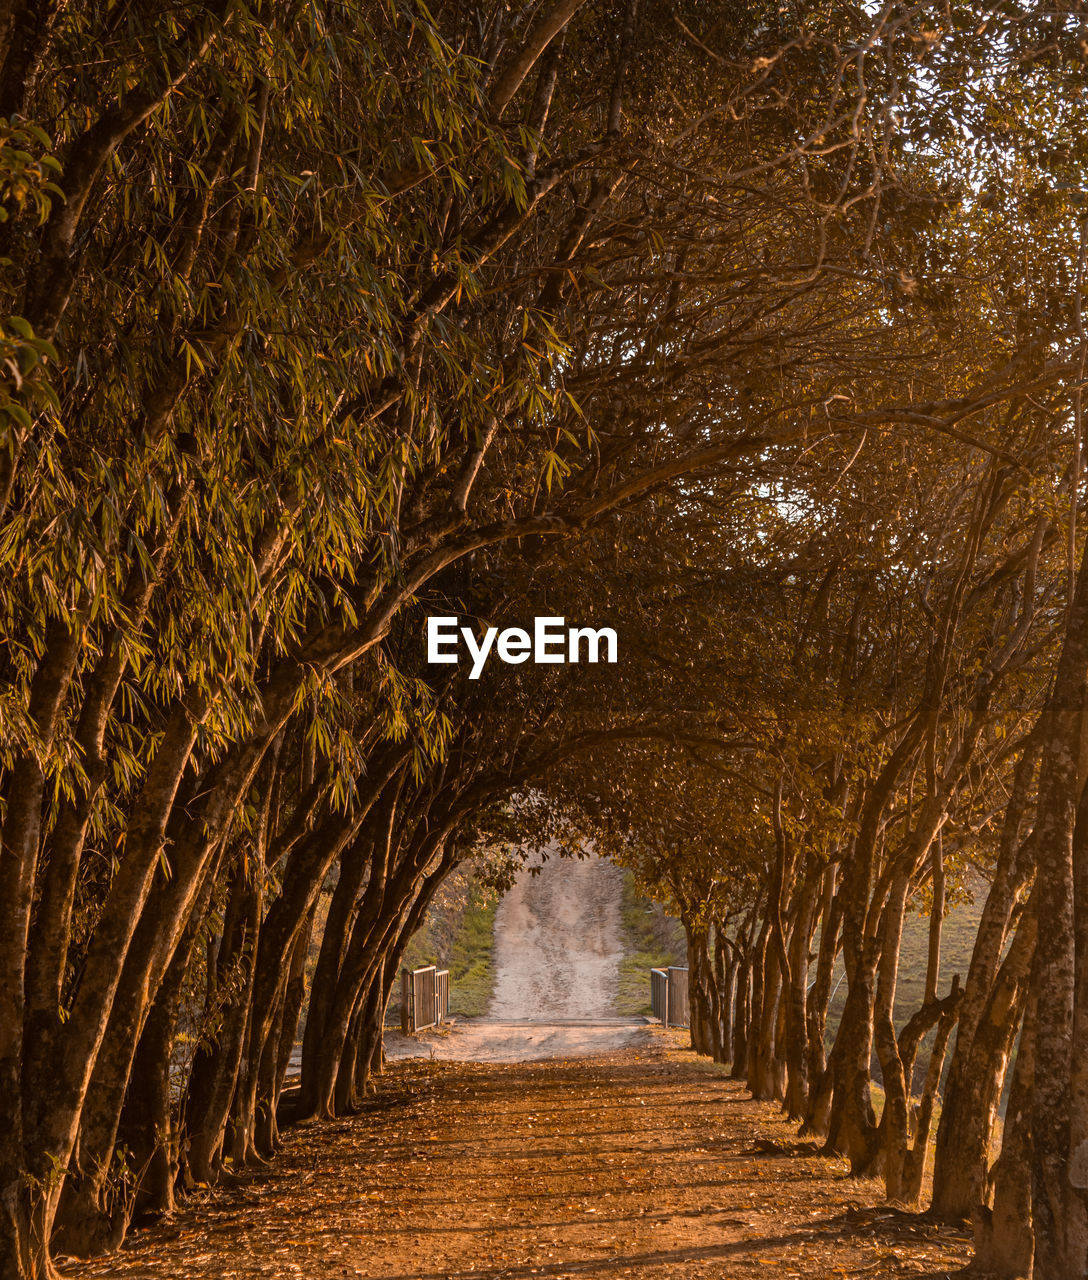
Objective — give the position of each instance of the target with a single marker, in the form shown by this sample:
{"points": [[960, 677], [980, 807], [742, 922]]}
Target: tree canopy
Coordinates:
{"points": [[754, 331]]}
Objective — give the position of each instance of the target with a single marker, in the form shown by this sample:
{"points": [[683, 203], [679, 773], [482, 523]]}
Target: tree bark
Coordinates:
{"points": [[957, 1183], [1060, 1103], [1004, 1235]]}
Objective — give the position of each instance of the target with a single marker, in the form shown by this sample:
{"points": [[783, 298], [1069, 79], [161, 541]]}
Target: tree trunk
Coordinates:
{"points": [[895, 1122], [914, 1166], [1004, 1237], [763, 1079], [741, 1015], [972, 1109], [1060, 1097], [819, 999], [796, 1031], [700, 995], [726, 965], [756, 999], [959, 1166], [370, 1031], [851, 1129], [216, 1067]]}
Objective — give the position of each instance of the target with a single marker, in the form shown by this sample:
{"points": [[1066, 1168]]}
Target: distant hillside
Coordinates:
{"points": [[651, 940]]}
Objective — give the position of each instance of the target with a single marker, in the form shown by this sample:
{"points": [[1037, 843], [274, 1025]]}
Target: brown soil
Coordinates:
{"points": [[483, 1040], [645, 1162]]}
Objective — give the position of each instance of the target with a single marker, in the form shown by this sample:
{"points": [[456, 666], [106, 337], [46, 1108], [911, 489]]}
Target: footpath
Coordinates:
{"points": [[645, 1162], [551, 1140]]}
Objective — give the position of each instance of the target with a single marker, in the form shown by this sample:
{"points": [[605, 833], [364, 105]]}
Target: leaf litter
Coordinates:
{"points": [[646, 1163]]}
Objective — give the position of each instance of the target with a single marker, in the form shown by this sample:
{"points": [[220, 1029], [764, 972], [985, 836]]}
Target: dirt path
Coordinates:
{"points": [[558, 945], [645, 1163], [557, 942], [487, 1041]]}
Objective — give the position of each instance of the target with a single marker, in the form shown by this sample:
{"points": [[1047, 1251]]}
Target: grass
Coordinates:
{"points": [[468, 955], [651, 940], [471, 964], [957, 941]]}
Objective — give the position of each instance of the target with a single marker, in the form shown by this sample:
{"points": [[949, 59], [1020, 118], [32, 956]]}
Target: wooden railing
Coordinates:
{"points": [[425, 997], [659, 995], [669, 996]]}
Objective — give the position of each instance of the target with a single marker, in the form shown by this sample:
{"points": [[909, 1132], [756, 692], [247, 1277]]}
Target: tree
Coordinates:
{"points": [[308, 314]]}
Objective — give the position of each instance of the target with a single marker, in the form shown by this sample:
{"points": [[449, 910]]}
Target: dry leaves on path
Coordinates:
{"points": [[641, 1164]]}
